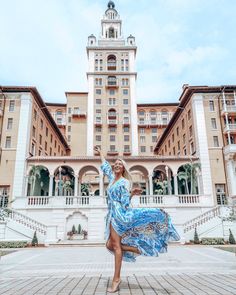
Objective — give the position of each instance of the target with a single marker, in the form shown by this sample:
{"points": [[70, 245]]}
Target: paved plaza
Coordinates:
{"points": [[88, 270]]}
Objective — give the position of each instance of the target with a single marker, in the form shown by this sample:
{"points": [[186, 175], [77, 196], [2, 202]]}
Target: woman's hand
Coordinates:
{"points": [[97, 149], [136, 191]]}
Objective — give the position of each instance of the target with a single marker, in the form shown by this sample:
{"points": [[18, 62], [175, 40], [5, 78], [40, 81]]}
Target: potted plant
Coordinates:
{"points": [[78, 235], [85, 234]]}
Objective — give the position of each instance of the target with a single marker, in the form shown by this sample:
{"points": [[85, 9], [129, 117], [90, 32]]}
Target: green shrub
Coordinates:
{"points": [[13, 244], [196, 238], [79, 229], [231, 237], [73, 229], [213, 241], [34, 240]]}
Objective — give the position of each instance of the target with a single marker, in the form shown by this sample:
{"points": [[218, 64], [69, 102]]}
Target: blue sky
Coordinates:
{"points": [[179, 41]]}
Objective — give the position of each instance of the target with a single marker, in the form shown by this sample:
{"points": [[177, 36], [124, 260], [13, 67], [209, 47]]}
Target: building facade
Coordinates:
{"points": [[50, 177]]}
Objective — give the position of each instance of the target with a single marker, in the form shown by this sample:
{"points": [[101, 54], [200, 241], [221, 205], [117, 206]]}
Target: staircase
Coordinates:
{"points": [[20, 226], [209, 223]]}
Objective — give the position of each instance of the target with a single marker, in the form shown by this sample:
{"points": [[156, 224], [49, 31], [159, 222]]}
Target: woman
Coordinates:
{"points": [[131, 231]]}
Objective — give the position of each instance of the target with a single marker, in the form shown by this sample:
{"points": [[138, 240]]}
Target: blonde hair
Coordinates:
{"points": [[126, 174]]}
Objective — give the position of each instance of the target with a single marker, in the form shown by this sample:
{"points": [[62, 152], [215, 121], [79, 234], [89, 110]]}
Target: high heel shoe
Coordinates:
{"points": [[114, 287]]}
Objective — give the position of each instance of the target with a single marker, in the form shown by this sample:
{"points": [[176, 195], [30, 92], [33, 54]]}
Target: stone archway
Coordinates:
{"points": [[77, 221], [64, 181], [88, 181], [140, 176], [188, 179], [163, 180], [38, 181]]}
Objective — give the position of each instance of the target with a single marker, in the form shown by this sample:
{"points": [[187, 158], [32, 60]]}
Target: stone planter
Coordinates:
{"points": [[78, 237]]}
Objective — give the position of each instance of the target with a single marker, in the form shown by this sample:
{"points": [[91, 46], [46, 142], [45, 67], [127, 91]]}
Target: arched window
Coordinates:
{"points": [[112, 80], [111, 33], [111, 63]]}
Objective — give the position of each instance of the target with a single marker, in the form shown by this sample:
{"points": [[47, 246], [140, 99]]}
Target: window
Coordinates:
{"points": [[151, 149], [112, 101], [125, 111], [35, 114], [192, 150], [98, 91], [184, 138], [55, 143], [126, 137], [9, 123], [111, 80], [46, 131], [211, 105], [213, 123], [69, 119], [69, 110], [59, 121], [185, 152], [112, 92], [174, 151], [98, 138], [215, 141], [183, 124], [69, 128], [40, 152], [126, 129], [154, 130], [112, 138], [143, 149], [220, 194], [178, 145], [189, 114], [112, 129], [125, 82], [41, 124], [154, 138], [141, 113], [190, 131], [8, 142], [33, 149], [125, 91], [169, 143], [98, 101], [33, 131], [40, 139], [126, 148], [51, 138], [173, 137], [46, 145], [98, 81], [50, 153], [125, 101], [177, 131], [142, 139], [142, 130], [112, 148], [98, 129], [11, 106], [98, 111], [165, 148], [69, 138]]}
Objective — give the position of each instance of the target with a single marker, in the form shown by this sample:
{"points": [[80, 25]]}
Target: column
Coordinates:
{"points": [[176, 184], [26, 185], [227, 125], [224, 102], [76, 186], [101, 187], [147, 187], [50, 185], [231, 176], [150, 185], [79, 187]]}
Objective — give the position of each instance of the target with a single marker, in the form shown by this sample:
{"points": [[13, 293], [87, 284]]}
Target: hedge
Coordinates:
{"points": [[212, 241], [13, 244]]}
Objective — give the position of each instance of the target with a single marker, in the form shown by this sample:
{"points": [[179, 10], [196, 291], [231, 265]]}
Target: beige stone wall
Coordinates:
{"points": [[58, 112], [76, 128]]}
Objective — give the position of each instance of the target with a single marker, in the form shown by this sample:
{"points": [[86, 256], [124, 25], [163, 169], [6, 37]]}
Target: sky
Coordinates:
{"points": [[43, 44]]}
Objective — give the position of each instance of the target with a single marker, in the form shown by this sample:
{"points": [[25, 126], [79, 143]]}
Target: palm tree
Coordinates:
{"points": [[183, 176], [34, 174]]}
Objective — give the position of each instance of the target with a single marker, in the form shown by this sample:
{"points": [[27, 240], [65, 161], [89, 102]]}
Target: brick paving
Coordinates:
{"points": [[88, 271]]}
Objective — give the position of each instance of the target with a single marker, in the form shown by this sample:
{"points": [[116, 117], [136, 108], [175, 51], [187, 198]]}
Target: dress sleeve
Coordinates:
{"points": [[125, 195], [107, 170]]}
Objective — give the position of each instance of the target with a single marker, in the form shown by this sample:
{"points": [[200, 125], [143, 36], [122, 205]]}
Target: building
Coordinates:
{"points": [[50, 177]]}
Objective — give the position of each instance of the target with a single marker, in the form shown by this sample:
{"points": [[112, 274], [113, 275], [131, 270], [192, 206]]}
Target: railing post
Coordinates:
{"points": [[76, 186]]}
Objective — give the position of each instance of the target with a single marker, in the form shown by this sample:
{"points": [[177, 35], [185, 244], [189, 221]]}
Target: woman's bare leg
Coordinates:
{"points": [[130, 249], [116, 244]]}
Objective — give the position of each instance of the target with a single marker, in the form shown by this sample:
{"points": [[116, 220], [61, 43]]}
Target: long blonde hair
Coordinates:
{"points": [[126, 174]]}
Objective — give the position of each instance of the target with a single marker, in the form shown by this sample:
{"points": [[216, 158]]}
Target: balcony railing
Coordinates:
{"points": [[228, 109], [98, 121], [164, 201], [78, 114], [230, 127], [112, 114], [112, 122]]}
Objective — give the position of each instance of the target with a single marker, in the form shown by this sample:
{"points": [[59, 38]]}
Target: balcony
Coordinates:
{"points": [[153, 123], [98, 122], [112, 115], [229, 109], [230, 128], [78, 114], [143, 123], [112, 122], [112, 82], [126, 121], [111, 66], [112, 153], [230, 149], [127, 152]]}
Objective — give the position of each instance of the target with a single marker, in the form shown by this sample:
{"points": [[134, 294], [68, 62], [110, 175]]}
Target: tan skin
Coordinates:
{"points": [[114, 241]]}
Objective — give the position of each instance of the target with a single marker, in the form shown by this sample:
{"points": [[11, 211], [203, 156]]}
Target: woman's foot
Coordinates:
{"points": [[114, 286]]}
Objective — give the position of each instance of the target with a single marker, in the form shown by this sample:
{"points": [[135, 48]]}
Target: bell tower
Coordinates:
{"points": [[112, 108]]}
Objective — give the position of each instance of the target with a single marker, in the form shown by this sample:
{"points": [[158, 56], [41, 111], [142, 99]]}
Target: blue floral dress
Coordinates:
{"points": [[148, 229]]}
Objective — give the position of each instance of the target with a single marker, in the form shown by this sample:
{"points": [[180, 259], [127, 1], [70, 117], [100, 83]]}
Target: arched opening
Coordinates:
{"points": [[76, 226], [111, 33], [188, 179], [64, 181], [163, 180], [112, 81], [111, 63], [88, 181], [140, 177], [38, 181]]}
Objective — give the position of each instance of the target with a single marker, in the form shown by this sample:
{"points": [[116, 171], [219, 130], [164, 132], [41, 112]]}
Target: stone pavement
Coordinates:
{"points": [[88, 270]]}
